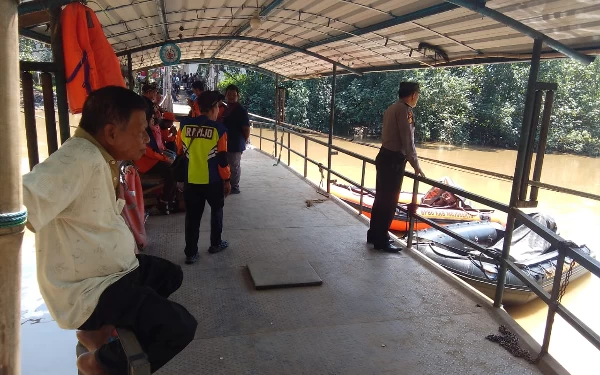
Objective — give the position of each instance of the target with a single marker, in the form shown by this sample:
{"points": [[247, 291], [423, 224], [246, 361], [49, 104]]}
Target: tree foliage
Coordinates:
{"points": [[479, 105]]}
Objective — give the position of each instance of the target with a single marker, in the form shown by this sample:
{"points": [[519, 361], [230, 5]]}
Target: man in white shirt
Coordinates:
{"points": [[89, 275], [397, 147]]}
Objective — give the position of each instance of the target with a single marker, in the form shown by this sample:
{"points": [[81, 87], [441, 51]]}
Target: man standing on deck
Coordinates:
{"points": [[205, 142], [397, 147], [238, 131]]}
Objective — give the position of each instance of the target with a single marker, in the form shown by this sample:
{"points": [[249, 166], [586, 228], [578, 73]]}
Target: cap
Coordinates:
{"points": [[209, 99], [169, 116], [147, 87]]}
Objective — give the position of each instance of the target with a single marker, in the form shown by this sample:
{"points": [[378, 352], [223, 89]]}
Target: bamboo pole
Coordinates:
{"points": [[10, 192]]}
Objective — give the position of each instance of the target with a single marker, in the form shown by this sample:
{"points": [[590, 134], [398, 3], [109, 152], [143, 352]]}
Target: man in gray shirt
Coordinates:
{"points": [[397, 147]]}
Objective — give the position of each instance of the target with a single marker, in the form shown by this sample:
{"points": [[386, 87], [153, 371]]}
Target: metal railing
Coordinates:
{"points": [[565, 248]]}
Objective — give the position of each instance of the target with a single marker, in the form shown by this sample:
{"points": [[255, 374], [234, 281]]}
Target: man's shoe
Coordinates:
{"points": [[193, 259], [235, 191], [216, 248], [370, 241], [389, 248]]}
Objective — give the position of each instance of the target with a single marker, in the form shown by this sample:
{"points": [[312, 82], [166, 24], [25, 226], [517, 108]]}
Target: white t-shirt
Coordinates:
{"points": [[83, 244]]}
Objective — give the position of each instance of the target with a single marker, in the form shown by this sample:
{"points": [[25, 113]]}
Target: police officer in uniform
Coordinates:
{"points": [[208, 173], [397, 147]]}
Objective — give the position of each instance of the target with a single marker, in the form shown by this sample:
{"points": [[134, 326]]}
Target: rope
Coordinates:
{"points": [[14, 219]]}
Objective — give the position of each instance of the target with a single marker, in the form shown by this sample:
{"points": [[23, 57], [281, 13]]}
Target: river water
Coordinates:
{"points": [[577, 220]]}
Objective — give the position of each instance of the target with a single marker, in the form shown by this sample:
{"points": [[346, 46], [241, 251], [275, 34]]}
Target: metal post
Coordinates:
{"points": [[30, 126], [553, 300], [519, 168], [331, 121], [541, 151], [276, 110], [12, 225], [130, 72], [362, 186], [289, 150], [260, 137], [60, 79], [51, 136], [537, 106], [411, 220], [305, 157]]}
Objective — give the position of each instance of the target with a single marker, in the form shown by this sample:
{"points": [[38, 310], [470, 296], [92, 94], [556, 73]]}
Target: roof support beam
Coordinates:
{"points": [[264, 12], [160, 5], [238, 64], [244, 38], [522, 28], [34, 19], [426, 12]]}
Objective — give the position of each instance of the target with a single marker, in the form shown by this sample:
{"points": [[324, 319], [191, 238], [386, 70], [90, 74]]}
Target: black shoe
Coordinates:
{"points": [[371, 242], [235, 191], [389, 248], [193, 259], [216, 248]]}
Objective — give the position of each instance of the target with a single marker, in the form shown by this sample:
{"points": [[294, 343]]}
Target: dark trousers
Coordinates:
{"points": [[138, 301], [195, 197], [164, 170], [390, 169]]}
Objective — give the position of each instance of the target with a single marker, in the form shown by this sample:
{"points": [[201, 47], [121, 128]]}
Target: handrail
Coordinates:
{"points": [[542, 185], [565, 248]]}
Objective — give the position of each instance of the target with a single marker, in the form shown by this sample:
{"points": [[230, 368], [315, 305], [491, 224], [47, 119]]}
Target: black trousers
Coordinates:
{"points": [[390, 169], [195, 197], [164, 170], [138, 301]]}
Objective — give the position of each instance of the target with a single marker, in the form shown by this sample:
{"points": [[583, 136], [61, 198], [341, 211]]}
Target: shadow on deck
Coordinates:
{"points": [[375, 312]]}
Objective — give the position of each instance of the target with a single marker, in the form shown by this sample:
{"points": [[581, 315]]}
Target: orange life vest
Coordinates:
{"points": [[90, 61]]}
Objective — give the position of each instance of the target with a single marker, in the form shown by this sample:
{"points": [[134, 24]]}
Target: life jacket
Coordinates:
{"points": [[90, 61]]}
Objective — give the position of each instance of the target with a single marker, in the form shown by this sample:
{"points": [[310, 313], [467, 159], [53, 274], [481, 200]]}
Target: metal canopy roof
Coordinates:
{"points": [[304, 38]]}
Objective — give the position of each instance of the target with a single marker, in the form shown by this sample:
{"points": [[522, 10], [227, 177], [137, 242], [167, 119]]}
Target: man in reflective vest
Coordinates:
{"points": [[205, 142]]}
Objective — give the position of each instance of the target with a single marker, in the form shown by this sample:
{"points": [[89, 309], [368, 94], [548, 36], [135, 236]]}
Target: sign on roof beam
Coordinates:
{"points": [[244, 38], [27, 7], [523, 29], [160, 5], [263, 13], [395, 21]]}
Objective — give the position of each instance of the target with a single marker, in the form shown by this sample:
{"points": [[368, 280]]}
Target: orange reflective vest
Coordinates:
{"points": [[90, 61]]}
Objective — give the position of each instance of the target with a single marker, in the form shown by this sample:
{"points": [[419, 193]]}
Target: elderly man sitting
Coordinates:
{"points": [[88, 274]]}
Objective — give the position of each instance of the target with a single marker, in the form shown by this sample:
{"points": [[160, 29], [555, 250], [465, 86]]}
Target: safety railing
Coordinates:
{"points": [[565, 248]]}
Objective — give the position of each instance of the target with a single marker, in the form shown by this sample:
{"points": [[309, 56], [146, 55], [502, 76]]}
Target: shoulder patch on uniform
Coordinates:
{"points": [[205, 132]]}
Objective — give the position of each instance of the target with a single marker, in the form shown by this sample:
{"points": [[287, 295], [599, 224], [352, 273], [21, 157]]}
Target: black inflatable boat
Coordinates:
{"points": [[532, 253]]}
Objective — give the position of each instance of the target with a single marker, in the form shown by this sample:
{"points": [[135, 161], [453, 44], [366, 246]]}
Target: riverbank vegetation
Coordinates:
{"points": [[479, 105]]}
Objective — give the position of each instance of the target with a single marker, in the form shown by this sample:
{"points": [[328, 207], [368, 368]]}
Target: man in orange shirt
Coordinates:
{"points": [[156, 163], [198, 88]]}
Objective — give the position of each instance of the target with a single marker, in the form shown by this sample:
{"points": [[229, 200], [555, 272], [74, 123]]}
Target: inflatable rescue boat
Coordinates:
{"points": [[448, 210], [534, 255]]}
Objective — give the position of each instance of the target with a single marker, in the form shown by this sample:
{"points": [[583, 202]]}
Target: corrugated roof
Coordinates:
{"points": [[303, 38]]}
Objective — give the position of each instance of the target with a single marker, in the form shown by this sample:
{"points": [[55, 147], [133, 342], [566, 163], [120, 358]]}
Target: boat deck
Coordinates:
{"points": [[375, 313]]}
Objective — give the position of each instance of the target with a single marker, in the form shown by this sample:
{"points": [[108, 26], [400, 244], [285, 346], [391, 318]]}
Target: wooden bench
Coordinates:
{"points": [[136, 358]]}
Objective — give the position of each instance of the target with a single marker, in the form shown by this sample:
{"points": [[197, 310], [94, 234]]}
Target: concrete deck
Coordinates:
{"points": [[376, 313]]}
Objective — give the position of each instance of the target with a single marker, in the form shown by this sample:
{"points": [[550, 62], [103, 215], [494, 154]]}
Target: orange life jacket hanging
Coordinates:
{"points": [[90, 61]]}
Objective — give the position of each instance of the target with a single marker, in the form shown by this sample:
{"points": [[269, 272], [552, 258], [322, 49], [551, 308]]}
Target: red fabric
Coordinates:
{"points": [[134, 214]]}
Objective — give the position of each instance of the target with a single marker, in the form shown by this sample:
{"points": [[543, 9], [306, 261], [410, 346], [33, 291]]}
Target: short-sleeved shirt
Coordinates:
{"points": [[83, 244], [235, 118], [398, 132]]}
